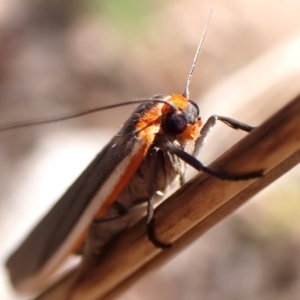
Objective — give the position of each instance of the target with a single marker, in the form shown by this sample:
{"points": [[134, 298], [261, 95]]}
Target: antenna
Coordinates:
{"points": [[186, 92], [81, 113]]}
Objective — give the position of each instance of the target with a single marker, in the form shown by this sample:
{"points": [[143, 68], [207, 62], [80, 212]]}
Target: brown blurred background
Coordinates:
{"points": [[65, 56]]}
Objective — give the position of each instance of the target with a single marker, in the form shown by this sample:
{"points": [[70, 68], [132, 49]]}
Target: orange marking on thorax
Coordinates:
{"points": [[176, 99], [180, 101]]}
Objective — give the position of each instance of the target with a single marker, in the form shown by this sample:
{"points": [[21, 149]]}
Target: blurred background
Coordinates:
{"points": [[66, 56]]}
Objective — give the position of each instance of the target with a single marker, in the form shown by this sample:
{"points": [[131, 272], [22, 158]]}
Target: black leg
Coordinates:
{"points": [[151, 228], [192, 161], [210, 123], [234, 123]]}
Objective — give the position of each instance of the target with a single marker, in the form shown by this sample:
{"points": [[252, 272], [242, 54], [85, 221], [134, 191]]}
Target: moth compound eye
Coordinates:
{"points": [[175, 124]]}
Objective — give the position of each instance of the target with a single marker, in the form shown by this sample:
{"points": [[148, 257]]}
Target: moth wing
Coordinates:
{"points": [[36, 258]]}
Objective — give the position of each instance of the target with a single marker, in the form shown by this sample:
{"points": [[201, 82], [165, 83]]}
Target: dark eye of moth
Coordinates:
{"points": [[175, 123]]}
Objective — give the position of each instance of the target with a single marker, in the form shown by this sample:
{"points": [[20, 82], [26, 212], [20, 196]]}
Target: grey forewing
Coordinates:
{"points": [[53, 229]]}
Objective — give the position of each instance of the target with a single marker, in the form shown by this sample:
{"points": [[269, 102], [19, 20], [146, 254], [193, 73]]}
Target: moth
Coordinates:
{"points": [[163, 135]]}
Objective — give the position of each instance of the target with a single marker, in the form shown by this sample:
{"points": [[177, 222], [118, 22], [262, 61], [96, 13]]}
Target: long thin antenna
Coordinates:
{"points": [[186, 92], [79, 114]]}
